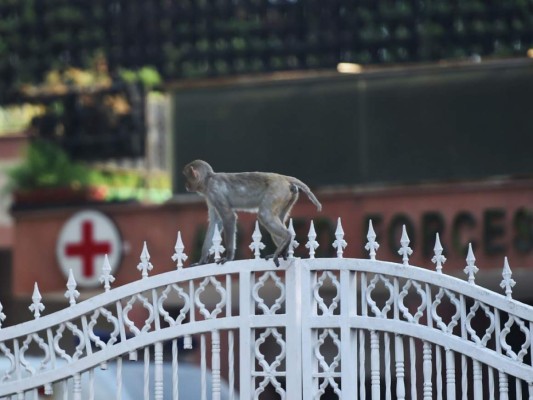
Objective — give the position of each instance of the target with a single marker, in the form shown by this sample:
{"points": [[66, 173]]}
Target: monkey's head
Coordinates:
{"points": [[196, 173]]}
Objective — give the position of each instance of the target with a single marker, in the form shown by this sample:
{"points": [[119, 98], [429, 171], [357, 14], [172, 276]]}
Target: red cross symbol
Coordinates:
{"points": [[87, 248]]}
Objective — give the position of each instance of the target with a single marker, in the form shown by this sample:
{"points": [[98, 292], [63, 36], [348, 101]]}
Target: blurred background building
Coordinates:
{"points": [[406, 112]]}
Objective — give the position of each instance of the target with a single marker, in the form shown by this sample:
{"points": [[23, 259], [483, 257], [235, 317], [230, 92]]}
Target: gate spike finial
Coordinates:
{"points": [[2, 315], [339, 243], [439, 258], [145, 265], [372, 246], [256, 246], [507, 283], [312, 244], [217, 249], [405, 251], [179, 257], [37, 306], [471, 268], [106, 278], [293, 243], [71, 294]]}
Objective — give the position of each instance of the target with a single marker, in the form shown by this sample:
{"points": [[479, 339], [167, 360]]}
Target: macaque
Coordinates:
{"points": [[269, 195]]}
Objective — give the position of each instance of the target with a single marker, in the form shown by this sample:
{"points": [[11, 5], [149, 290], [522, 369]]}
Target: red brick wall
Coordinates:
{"points": [[493, 215]]}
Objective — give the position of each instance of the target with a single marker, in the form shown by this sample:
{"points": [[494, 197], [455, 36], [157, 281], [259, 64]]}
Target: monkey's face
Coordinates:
{"points": [[188, 181], [196, 173], [191, 178]]}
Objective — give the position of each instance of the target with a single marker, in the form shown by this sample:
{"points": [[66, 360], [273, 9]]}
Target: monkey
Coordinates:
{"points": [[270, 195]]}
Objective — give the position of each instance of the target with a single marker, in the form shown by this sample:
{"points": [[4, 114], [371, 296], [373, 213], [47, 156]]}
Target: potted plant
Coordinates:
{"points": [[48, 176]]}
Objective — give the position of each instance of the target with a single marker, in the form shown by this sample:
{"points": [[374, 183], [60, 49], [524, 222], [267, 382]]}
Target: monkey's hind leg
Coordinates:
{"points": [[272, 212], [281, 241], [285, 211], [282, 245], [283, 250]]}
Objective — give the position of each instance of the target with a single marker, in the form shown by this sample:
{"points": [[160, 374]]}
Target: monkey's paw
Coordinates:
{"points": [[203, 261], [221, 260], [274, 258]]}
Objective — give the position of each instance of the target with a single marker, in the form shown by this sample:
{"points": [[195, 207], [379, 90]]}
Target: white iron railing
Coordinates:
{"points": [[312, 329]]}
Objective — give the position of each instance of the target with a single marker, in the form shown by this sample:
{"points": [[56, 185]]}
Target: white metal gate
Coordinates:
{"points": [[326, 328]]}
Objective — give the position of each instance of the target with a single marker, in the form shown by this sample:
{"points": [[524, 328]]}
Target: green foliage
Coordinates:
{"points": [[148, 76], [182, 40], [128, 75], [47, 165]]}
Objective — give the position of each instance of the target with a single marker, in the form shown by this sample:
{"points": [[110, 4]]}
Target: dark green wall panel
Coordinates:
{"points": [[403, 126]]}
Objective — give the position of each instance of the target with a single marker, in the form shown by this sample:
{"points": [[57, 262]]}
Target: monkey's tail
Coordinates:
{"points": [[298, 183]]}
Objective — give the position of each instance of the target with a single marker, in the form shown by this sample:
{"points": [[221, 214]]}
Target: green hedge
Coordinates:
{"points": [[203, 38]]}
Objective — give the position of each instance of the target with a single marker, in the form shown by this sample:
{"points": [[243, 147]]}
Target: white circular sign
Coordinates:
{"points": [[83, 242]]}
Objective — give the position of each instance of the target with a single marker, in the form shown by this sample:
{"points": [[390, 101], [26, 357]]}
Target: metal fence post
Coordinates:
{"points": [[245, 335], [293, 276]]}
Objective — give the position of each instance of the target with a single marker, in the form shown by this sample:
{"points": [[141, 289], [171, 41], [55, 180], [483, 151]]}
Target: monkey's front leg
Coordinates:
{"points": [[214, 220], [210, 260], [229, 221]]}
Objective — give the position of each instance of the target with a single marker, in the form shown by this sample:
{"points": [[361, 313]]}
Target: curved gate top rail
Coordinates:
{"points": [[339, 326]]}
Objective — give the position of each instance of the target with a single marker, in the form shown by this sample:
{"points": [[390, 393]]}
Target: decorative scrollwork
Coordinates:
{"points": [[372, 246], [312, 244], [320, 301], [201, 306], [293, 244], [256, 246], [421, 308], [184, 310], [7, 353], [270, 370], [75, 331], [264, 383], [179, 256], [405, 251], [147, 322], [384, 307], [111, 319], [503, 338], [260, 301], [447, 328], [388, 303], [328, 369], [488, 332], [42, 345]]}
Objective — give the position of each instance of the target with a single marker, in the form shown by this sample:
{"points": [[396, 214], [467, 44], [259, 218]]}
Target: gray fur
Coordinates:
{"points": [[270, 195]]}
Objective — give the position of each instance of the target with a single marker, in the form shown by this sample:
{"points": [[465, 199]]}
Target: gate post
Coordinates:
{"points": [[348, 348], [293, 361], [308, 365], [246, 353]]}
